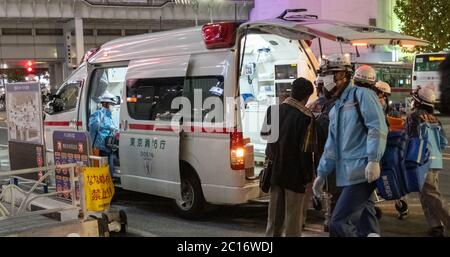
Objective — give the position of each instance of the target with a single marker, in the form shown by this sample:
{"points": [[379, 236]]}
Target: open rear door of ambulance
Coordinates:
{"points": [[306, 27]]}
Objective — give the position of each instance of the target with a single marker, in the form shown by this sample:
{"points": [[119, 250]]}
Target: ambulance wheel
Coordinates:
{"points": [[192, 203], [378, 212]]}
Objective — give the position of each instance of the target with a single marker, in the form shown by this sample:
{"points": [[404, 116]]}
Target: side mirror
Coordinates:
{"points": [[48, 107], [52, 97], [118, 100], [57, 104]]}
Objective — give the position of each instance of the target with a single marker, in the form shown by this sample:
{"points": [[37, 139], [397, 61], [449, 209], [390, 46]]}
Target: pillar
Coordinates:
{"points": [[67, 32], [52, 73], [79, 40], [56, 71]]}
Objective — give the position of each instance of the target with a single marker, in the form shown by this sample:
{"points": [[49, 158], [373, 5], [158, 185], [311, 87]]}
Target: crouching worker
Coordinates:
{"points": [[291, 158], [101, 127]]}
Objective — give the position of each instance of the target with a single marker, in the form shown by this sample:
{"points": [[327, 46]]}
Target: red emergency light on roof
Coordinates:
{"points": [[308, 42], [219, 35], [90, 53]]}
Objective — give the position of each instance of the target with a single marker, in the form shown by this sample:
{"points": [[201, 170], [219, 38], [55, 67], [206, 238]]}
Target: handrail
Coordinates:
{"points": [[35, 170]]}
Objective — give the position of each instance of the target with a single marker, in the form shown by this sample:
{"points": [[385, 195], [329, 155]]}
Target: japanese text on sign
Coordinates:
{"points": [[99, 188]]}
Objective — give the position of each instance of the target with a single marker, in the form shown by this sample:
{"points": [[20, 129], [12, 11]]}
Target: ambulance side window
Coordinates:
{"points": [[69, 95], [151, 99], [212, 89]]}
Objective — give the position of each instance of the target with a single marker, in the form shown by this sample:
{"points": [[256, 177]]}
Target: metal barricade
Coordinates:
{"points": [[20, 194], [29, 196]]}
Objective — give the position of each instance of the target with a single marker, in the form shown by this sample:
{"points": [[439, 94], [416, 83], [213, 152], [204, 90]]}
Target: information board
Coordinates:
{"points": [[69, 147]]}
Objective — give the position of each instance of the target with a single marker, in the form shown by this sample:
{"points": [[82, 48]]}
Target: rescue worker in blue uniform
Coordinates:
{"points": [[101, 126], [433, 205], [355, 144]]}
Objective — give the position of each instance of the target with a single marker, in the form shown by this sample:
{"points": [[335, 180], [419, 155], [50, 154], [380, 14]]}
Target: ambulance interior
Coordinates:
{"points": [[107, 80], [270, 64]]}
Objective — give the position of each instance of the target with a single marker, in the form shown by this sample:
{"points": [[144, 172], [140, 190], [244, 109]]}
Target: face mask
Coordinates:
{"points": [[382, 101], [328, 82]]}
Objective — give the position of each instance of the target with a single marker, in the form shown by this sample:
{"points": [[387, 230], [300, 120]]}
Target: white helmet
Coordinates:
{"points": [[424, 95], [383, 87], [108, 98], [336, 62], [365, 74]]}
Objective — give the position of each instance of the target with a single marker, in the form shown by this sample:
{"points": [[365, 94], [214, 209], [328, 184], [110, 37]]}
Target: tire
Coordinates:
{"points": [[192, 205]]}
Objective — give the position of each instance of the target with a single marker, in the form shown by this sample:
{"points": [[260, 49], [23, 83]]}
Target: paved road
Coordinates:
{"points": [[155, 216]]}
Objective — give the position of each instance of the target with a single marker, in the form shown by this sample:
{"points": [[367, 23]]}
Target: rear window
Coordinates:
{"points": [[428, 62]]}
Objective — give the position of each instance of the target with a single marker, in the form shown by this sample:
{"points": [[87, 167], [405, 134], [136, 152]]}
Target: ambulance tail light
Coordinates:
{"points": [[219, 35], [237, 151]]}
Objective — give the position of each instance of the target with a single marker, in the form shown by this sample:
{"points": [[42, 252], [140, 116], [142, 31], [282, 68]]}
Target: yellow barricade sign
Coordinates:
{"points": [[98, 187]]}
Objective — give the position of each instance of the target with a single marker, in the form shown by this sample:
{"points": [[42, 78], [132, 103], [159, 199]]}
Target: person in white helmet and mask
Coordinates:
{"points": [[355, 144], [435, 210], [383, 91], [101, 126], [321, 109]]}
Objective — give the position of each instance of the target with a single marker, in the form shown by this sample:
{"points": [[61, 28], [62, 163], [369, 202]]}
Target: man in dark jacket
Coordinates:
{"points": [[291, 161]]}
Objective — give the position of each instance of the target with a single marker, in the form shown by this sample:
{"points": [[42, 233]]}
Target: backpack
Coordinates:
{"points": [[392, 185], [406, 167], [424, 153]]}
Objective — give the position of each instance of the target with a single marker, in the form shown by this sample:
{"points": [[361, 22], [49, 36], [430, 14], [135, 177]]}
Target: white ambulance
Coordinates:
{"points": [[203, 160]]}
